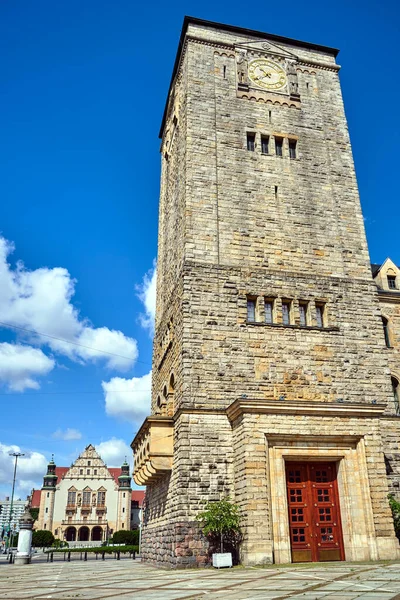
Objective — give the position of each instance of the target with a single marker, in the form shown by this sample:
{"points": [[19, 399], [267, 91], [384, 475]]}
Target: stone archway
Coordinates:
{"points": [[97, 534], [70, 534], [83, 534]]}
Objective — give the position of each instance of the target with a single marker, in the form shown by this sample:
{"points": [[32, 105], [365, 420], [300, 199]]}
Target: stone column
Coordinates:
{"points": [[23, 556]]}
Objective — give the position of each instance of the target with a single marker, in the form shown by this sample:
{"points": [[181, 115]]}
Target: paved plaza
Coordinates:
{"points": [[131, 580]]}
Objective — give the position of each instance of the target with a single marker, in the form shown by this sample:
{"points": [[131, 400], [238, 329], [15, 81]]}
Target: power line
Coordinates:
{"points": [[53, 337], [72, 392]]}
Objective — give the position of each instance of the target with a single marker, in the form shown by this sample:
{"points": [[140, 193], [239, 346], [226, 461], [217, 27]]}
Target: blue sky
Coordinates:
{"points": [[83, 86]]}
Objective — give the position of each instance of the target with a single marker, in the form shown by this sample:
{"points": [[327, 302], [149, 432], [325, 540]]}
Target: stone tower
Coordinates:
{"points": [[46, 511], [270, 378], [124, 498]]}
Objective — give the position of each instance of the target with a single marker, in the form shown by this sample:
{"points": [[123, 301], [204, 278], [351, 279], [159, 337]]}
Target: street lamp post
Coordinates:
{"points": [[11, 535]]}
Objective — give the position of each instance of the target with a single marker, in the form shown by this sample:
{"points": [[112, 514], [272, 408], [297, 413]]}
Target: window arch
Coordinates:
{"points": [[396, 392], [386, 331], [172, 384]]}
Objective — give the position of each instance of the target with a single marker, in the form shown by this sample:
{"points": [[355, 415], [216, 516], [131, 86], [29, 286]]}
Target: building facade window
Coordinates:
{"points": [[101, 498], [303, 311], [386, 332], [86, 498], [292, 148], [71, 497], [286, 311], [395, 389], [269, 310], [279, 146], [251, 141], [264, 144], [80, 471], [251, 310], [95, 471], [320, 314], [391, 279]]}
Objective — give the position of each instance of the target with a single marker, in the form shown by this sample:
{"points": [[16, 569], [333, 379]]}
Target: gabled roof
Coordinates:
{"points": [[60, 472], [138, 496], [35, 502]]}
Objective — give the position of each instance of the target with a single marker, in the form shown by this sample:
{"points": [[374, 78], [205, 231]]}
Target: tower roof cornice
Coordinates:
{"points": [[242, 31]]}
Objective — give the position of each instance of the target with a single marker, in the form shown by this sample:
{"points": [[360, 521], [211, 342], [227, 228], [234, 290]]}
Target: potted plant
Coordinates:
{"points": [[221, 519]]}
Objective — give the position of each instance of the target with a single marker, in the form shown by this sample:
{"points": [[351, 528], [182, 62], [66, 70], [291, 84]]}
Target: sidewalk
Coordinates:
{"points": [[131, 580]]}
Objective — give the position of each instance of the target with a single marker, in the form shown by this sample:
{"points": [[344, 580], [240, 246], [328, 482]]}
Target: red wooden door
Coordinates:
{"points": [[314, 512]]}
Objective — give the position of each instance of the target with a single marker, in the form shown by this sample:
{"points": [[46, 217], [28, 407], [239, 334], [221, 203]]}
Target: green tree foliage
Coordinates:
{"points": [[395, 506], [124, 536], [34, 513], [220, 518], [42, 538]]}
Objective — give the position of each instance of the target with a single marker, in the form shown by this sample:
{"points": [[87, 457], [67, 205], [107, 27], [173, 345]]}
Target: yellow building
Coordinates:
{"points": [[87, 501]]}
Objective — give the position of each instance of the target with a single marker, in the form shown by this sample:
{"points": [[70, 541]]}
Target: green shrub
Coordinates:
{"points": [[99, 549], [42, 537], [395, 506], [125, 537]]}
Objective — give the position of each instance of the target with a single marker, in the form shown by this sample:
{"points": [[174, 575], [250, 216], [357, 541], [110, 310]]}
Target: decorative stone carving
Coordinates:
{"points": [[241, 62], [292, 79]]}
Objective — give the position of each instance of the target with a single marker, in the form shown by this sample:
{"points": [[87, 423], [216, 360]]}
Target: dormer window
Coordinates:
{"points": [[391, 279]]}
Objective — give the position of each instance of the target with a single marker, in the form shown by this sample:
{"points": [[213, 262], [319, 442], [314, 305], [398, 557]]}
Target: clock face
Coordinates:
{"points": [[267, 74]]}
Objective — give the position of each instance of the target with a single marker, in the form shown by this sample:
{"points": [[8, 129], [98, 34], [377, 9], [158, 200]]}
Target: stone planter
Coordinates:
{"points": [[222, 559]]}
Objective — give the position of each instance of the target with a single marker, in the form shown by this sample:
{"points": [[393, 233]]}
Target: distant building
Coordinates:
{"points": [[17, 510], [87, 501]]}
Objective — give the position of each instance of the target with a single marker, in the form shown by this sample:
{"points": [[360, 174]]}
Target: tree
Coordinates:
{"points": [[395, 506], [34, 513], [130, 537], [220, 518], [42, 538]]}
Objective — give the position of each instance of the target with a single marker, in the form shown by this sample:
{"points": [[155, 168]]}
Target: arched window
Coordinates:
{"points": [[395, 388], [386, 332]]}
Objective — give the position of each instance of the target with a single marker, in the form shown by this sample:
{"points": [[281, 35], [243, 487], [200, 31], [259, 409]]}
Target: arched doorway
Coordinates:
{"points": [[83, 535], [70, 534], [97, 534]]}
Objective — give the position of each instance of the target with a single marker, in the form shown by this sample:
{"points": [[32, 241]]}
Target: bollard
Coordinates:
{"points": [[48, 557], [103, 555], [51, 557], [81, 555], [85, 557], [118, 555], [133, 555], [96, 555], [64, 556], [69, 556]]}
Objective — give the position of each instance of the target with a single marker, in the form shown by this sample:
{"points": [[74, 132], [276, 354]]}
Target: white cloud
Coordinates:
{"points": [[114, 451], [19, 365], [128, 398], [30, 471], [147, 294], [67, 435], [41, 300]]}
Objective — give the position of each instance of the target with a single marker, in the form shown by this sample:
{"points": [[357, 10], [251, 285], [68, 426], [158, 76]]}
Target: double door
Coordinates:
{"points": [[314, 512]]}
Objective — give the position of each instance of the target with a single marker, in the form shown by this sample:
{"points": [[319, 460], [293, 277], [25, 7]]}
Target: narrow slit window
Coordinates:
{"points": [[264, 144], [251, 310], [276, 192], [320, 314], [391, 279], [270, 116], [286, 306], [279, 146], [269, 311], [303, 310], [292, 148], [395, 388], [251, 142], [386, 333]]}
